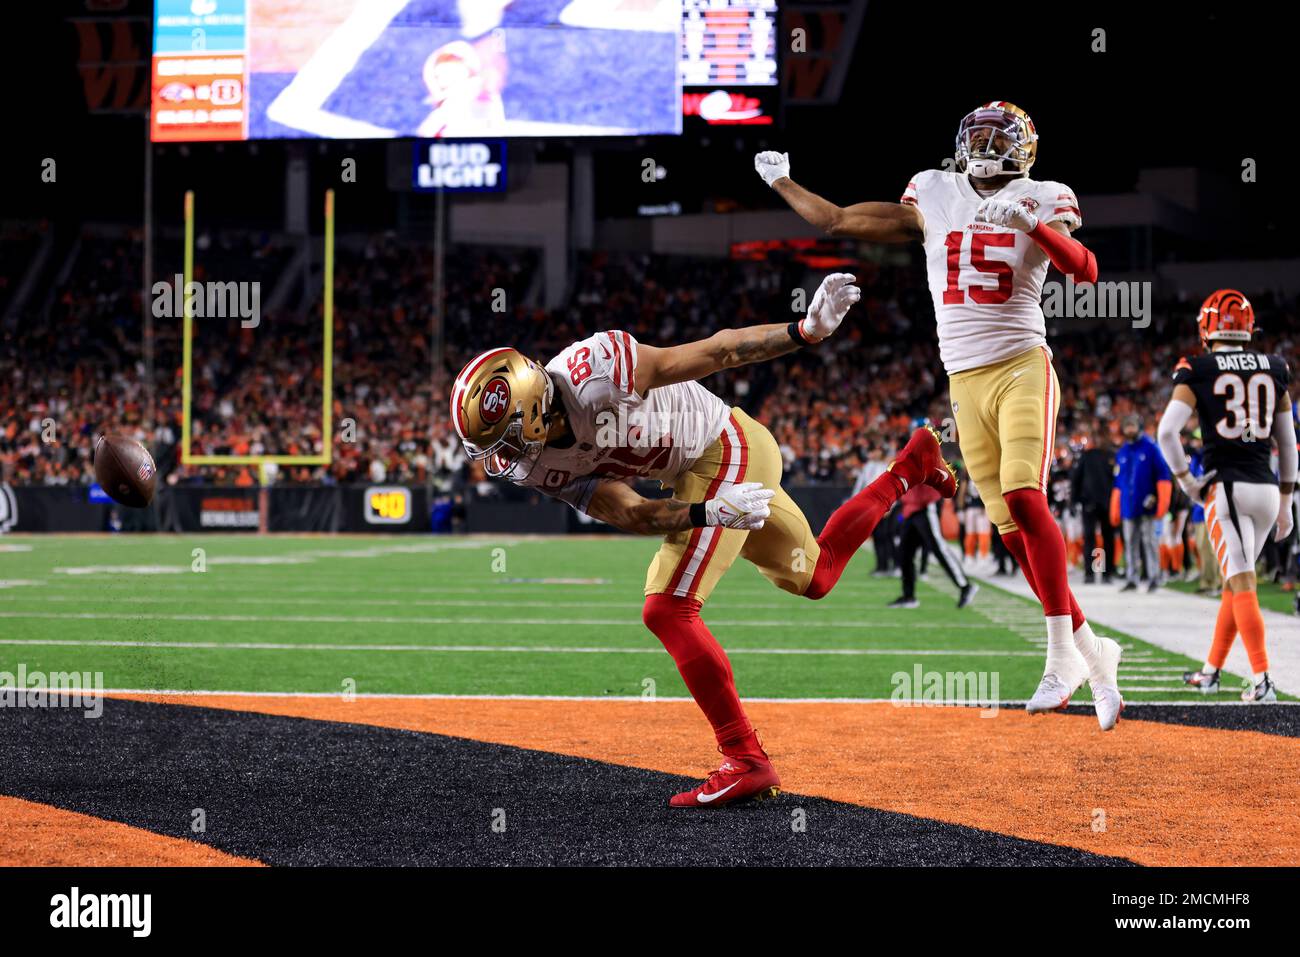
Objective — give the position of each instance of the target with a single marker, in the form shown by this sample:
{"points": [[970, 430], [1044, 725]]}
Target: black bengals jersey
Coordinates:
{"points": [[1237, 395], [1059, 489]]}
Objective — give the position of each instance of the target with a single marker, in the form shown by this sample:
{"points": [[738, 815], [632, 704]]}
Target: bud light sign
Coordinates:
{"points": [[478, 166]]}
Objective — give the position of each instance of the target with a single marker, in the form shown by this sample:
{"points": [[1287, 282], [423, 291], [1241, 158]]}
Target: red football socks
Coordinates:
{"points": [[1040, 551], [703, 666], [847, 528]]}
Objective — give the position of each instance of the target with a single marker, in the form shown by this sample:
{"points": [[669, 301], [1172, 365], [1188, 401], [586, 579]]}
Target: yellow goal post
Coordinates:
{"points": [[327, 371]]}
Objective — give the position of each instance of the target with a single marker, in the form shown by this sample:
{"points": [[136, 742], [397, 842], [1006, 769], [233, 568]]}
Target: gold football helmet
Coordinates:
{"points": [[500, 408], [996, 139]]}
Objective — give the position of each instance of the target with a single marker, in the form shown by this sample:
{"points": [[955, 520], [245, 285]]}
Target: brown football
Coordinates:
{"points": [[124, 469]]}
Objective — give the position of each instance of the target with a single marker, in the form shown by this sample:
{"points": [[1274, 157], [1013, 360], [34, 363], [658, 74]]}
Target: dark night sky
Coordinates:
{"points": [[1180, 85]]}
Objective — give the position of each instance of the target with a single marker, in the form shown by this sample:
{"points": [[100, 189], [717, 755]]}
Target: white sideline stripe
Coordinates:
{"points": [[510, 649], [340, 585], [1149, 677], [398, 620], [304, 557], [434, 696], [195, 596]]}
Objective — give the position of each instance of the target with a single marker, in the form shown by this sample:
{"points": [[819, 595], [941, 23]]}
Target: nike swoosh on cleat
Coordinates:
{"points": [[706, 798]]}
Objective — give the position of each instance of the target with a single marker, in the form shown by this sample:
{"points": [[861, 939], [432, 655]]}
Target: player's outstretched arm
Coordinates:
{"points": [[743, 506], [874, 222], [1287, 460], [1169, 436], [729, 348]]}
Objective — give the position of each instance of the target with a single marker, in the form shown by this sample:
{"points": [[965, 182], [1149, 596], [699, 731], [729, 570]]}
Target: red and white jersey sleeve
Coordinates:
{"points": [[617, 432], [1057, 204], [598, 372], [909, 197]]}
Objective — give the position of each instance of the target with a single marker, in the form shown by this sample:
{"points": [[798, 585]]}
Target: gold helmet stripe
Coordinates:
{"points": [[462, 383]]}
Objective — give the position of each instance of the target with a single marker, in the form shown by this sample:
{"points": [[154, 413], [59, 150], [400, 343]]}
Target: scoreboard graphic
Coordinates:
{"points": [[200, 70], [729, 42], [433, 69]]}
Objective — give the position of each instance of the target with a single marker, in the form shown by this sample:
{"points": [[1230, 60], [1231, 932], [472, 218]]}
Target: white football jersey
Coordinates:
{"points": [[986, 281], [617, 432]]}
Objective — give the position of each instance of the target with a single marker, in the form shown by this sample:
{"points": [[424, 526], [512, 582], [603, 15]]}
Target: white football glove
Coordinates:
{"points": [[829, 306], [1194, 487], [742, 506], [1284, 521], [772, 165], [1006, 212]]}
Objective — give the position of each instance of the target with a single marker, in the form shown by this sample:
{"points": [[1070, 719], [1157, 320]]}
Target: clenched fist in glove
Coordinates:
{"points": [[1194, 486], [1284, 518], [830, 304], [772, 165], [1006, 212], [743, 506]]}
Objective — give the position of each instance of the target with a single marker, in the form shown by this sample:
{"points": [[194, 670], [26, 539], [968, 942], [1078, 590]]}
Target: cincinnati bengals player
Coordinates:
{"points": [[609, 409], [1240, 397], [989, 233]]}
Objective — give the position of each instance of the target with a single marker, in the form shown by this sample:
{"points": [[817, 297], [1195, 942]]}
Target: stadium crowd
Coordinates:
{"points": [[258, 390]]}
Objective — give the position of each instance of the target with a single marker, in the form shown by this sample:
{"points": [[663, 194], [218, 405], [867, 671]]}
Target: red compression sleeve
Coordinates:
{"points": [[1066, 253]]}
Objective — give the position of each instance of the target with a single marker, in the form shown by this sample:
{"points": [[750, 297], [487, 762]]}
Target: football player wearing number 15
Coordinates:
{"points": [[989, 232], [609, 409]]}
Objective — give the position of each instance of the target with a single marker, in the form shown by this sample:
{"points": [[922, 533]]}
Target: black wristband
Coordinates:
{"points": [[795, 334], [698, 517]]}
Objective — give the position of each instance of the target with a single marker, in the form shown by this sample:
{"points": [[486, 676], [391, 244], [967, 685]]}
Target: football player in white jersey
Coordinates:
{"points": [[989, 233], [608, 410]]}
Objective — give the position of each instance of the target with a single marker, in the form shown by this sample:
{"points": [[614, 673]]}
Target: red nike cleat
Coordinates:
{"points": [[739, 779], [921, 462]]}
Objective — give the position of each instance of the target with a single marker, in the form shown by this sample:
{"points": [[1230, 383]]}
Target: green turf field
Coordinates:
{"points": [[487, 616], [1271, 596]]}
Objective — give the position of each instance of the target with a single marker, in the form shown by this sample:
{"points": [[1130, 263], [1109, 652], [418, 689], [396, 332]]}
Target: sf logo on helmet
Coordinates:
{"points": [[495, 401]]}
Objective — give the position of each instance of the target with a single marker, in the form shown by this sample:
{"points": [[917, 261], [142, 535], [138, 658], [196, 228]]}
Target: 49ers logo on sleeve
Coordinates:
{"points": [[495, 401]]}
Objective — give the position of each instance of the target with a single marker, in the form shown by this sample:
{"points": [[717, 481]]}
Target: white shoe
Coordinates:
{"points": [[1054, 691], [1264, 691], [1105, 690]]}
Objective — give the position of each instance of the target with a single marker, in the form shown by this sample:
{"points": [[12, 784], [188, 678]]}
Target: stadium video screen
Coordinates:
{"points": [[729, 42], [373, 69]]}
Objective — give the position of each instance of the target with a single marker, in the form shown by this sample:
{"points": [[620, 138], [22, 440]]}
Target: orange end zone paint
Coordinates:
{"points": [[1157, 794], [38, 835]]}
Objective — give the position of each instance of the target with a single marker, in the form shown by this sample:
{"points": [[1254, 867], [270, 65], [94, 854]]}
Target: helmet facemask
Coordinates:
{"points": [[515, 453], [502, 405], [993, 141]]}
